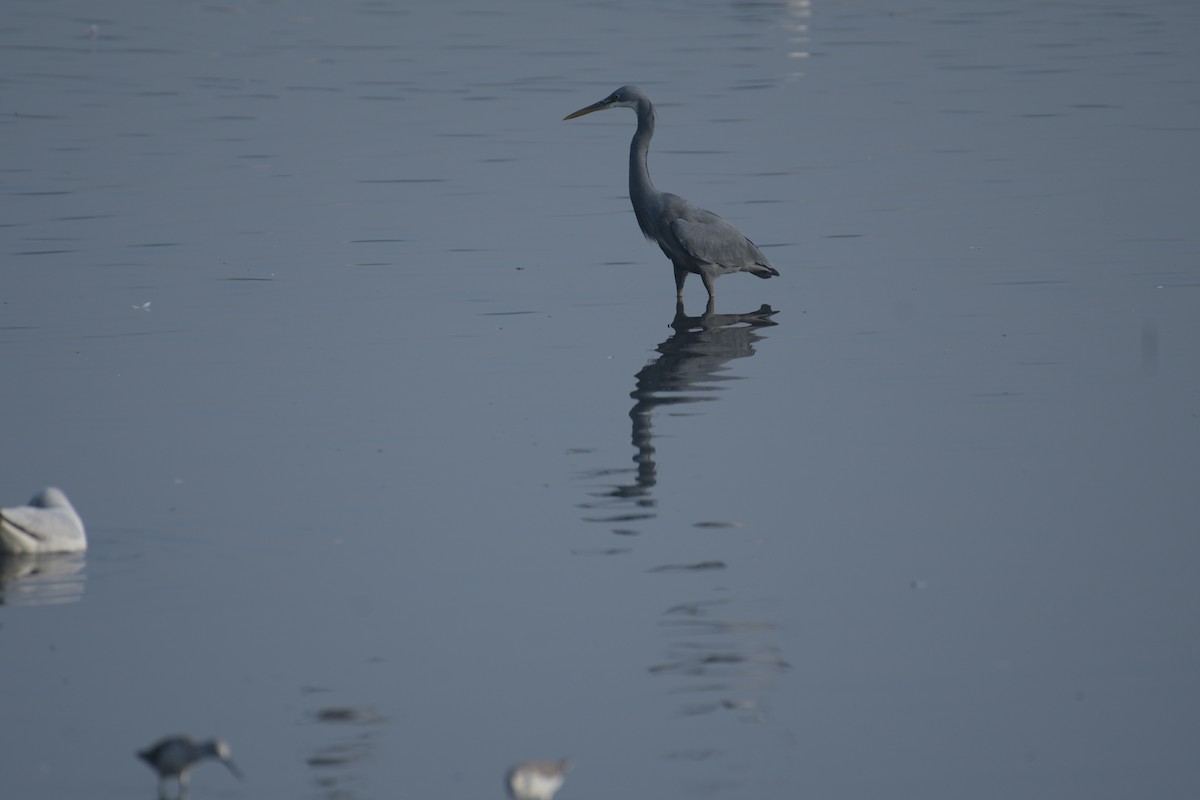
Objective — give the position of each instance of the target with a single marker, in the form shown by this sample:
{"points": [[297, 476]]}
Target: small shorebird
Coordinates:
{"points": [[174, 756], [48, 524], [536, 780]]}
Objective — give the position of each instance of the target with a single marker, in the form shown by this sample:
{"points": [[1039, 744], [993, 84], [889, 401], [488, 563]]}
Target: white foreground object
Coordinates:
{"points": [[48, 524], [536, 780]]}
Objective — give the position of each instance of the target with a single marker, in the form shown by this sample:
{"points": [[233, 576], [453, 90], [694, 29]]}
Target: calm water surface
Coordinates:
{"points": [[400, 464]]}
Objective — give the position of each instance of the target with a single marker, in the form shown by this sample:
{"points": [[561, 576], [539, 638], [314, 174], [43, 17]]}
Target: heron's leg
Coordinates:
{"points": [[680, 277], [708, 284]]}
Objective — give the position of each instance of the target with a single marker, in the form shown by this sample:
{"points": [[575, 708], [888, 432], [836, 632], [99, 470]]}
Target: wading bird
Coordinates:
{"points": [[48, 524], [536, 780], [174, 757], [694, 239]]}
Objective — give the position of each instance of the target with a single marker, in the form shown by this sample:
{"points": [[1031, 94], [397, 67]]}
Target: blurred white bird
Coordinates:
{"points": [[174, 756], [48, 524], [536, 780]]}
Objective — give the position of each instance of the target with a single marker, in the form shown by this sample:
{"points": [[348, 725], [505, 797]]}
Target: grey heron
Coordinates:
{"points": [[174, 757], [696, 240]]}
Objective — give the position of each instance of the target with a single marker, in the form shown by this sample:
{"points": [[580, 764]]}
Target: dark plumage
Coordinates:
{"points": [[174, 757], [696, 240]]}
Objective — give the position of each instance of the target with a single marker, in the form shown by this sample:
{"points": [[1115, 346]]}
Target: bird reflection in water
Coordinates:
{"points": [[43, 579], [690, 364], [719, 654], [336, 764], [721, 659]]}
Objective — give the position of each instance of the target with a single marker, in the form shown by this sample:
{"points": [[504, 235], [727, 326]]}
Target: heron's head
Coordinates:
{"points": [[625, 97]]}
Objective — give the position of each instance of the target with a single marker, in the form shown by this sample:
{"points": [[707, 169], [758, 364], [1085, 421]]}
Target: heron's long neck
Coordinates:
{"points": [[641, 190]]}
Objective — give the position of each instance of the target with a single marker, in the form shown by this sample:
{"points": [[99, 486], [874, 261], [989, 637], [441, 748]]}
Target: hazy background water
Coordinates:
{"points": [[398, 465]]}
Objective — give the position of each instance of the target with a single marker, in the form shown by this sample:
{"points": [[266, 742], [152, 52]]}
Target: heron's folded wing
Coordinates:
{"points": [[717, 242]]}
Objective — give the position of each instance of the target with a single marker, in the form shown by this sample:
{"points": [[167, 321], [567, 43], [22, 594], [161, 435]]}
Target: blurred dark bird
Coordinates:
{"points": [[174, 757]]}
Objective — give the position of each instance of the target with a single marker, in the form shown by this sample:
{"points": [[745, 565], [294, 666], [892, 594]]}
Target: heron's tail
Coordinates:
{"points": [[762, 270]]}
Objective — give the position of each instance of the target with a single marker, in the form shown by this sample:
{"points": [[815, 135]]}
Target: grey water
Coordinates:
{"points": [[399, 463]]}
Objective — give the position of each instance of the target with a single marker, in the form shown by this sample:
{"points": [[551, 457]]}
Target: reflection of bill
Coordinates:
{"points": [[36, 580]]}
